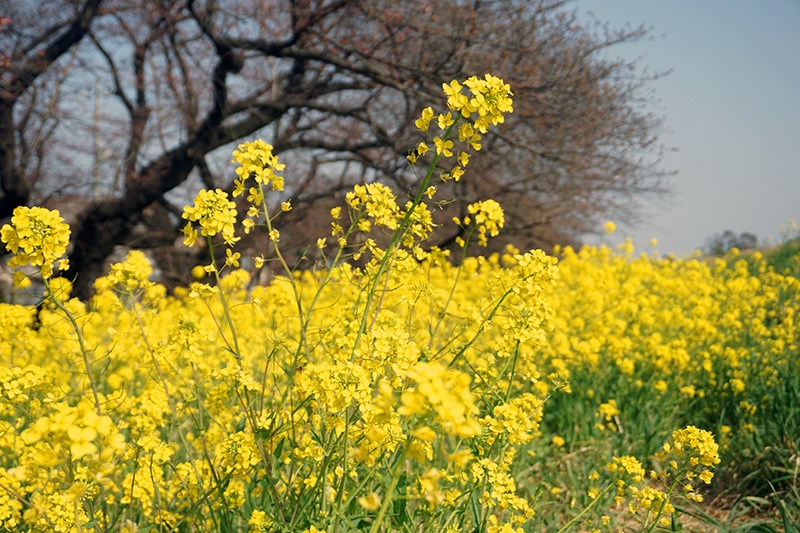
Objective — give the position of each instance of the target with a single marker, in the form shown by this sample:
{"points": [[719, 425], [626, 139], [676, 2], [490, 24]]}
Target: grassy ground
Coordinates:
{"points": [[642, 350]]}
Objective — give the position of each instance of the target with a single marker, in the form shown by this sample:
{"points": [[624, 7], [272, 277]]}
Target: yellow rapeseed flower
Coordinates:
{"points": [[131, 274], [215, 214], [694, 443], [257, 160], [36, 236], [443, 146], [424, 121], [371, 502], [489, 219]]}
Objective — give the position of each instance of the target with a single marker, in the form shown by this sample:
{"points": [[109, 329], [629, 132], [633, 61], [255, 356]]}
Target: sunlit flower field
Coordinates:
{"points": [[597, 390]]}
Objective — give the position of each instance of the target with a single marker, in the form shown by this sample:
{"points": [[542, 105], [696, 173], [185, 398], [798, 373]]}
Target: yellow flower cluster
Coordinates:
{"points": [[677, 330], [336, 386], [131, 275], [486, 217], [502, 493], [517, 420], [37, 237], [257, 160], [378, 202], [215, 214], [314, 401], [490, 98], [646, 499], [174, 426], [697, 445], [627, 465], [488, 102], [403, 394], [444, 392]]}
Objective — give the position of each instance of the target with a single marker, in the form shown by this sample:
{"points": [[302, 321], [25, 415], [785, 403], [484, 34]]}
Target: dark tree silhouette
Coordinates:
{"points": [[721, 243], [116, 111]]}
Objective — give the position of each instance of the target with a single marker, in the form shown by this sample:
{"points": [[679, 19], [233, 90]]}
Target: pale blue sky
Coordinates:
{"points": [[732, 109]]}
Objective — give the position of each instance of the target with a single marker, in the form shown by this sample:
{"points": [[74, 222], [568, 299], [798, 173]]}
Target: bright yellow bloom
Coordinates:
{"points": [[608, 410], [260, 522], [36, 236], [377, 201], [443, 147], [694, 443], [129, 275], [232, 258], [445, 120], [371, 502], [215, 214], [627, 464], [421, 149], [424, 121], [20, 280], [248, 224], [491, 99], [446, 393], [737, 385], [255, 197], [455, 99], [257, 160], [489, 219]]}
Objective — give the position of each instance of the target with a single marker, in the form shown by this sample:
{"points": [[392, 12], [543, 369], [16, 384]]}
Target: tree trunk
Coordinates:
{"points": [[102, 227], [13, 187]]}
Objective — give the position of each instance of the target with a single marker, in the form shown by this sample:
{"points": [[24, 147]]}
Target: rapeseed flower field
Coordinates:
{"points": [[392, 387]]}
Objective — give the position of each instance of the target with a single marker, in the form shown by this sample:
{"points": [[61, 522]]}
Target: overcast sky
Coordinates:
{"points": [[732, 109]]}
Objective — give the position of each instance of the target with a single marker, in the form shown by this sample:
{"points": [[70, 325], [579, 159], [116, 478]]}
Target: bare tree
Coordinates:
{"points": [[34, 39], [721, 243], [334, 85]]}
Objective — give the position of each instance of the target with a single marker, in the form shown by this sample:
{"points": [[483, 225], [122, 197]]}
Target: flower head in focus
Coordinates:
{"points": [[215, 214], [696, 444], [256, 160], [488, 217], [36, 236], [490, 99], [485, 103]]}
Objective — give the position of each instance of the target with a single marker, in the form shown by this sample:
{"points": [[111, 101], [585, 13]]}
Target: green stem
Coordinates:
{"points": [[667, 496], [387, 500], [586, 509], [452, 289], [236, 352], [513, 371], [478, 333], [397, 237], [81, 342], [343, 484], [286, 269]]}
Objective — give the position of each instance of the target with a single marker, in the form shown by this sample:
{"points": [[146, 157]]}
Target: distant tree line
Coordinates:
{"points": [[723, 242]]}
